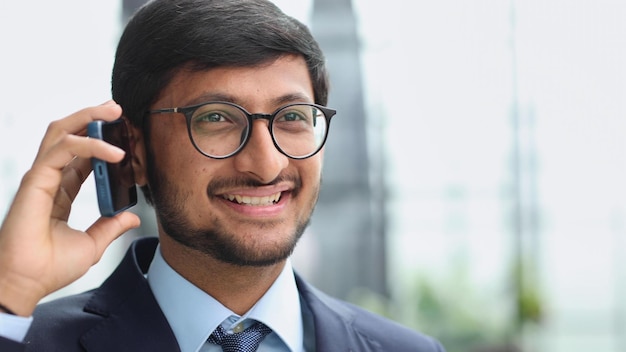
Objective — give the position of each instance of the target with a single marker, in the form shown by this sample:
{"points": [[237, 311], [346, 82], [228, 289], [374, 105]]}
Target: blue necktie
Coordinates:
{"points": [[244, 341]]}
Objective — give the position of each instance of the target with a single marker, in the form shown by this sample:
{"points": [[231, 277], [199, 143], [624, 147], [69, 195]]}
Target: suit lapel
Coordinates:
{"points": [[334, 329], [133, 320]]}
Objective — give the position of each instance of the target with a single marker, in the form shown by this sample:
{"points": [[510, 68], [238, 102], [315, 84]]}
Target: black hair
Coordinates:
{"points": [[167, 35]]}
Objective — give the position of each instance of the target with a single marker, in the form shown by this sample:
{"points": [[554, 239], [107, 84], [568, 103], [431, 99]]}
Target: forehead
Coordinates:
{"points": [[281, 81]]}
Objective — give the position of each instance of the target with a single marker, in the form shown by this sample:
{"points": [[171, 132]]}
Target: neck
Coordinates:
{"points": [[237, 287]]}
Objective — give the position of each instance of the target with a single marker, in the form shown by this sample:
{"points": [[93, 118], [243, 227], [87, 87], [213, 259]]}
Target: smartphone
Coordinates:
{"points": [[115, 182]]}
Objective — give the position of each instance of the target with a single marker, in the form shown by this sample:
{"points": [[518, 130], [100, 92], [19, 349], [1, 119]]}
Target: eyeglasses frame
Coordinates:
{"points": [[188, 111]]}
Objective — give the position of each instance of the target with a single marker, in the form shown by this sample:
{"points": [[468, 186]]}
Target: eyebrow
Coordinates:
{"points": [[278, 101]]}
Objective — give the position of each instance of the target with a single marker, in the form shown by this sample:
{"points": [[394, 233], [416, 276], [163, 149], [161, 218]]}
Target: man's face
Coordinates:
{"points": [[249, 209]]}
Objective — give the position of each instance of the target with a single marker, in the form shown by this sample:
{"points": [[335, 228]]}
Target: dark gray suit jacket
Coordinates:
{"points": [[122, 315]]}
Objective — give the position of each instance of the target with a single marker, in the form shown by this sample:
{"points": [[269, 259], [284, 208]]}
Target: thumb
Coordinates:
{"points": [[106, 229]]}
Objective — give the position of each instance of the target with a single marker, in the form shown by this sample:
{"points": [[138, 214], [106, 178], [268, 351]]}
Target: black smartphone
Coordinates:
{"points": [[115, 182]]}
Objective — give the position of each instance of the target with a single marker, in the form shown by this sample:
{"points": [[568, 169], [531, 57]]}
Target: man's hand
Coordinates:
{"points": [[39, 252]]}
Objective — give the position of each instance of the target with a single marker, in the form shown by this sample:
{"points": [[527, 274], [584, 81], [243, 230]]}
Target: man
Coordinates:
{"points": [[226, 102]]}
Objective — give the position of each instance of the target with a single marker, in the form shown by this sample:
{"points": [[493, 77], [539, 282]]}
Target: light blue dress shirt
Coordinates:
{"points": [[193, 314]]}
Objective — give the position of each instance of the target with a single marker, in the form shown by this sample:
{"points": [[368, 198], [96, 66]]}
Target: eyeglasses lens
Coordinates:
{"points": [[219, 130]]}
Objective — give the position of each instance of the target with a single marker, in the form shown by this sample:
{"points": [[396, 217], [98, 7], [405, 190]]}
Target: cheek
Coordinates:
{"points": [[175, 156], [171, 143], [311, 172]]}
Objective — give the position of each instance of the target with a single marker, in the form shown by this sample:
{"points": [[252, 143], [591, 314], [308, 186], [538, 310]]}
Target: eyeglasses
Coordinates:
{"points": [[221, 129]]}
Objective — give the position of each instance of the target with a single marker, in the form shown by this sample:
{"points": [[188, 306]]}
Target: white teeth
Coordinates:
{"points": [[258, 201]]}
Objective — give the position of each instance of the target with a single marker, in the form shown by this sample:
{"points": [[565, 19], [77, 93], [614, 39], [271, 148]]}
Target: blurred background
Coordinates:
{"points": [[474, 176]]}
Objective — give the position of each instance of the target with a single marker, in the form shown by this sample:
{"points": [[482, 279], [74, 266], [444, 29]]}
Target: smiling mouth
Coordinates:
{"points": [[253, 201]]}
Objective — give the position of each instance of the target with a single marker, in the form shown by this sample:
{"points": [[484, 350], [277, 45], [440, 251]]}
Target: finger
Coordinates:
{"points": [[107, 229], [80, 167], [41, 183], [45, 175], [76, 123], [73, 176], [71, 146]]}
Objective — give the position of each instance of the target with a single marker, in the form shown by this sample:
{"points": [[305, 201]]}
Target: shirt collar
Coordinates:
{"points": [[193, 314]]}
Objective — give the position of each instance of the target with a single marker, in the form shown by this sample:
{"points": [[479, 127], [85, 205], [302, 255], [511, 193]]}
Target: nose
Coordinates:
{"points": [[260, 158]]}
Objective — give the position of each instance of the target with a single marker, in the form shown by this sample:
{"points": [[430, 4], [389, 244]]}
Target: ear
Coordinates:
{"points": [[138, 148]]}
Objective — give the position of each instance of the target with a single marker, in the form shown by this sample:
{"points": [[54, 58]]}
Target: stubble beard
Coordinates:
{"points": [[217, 241]]}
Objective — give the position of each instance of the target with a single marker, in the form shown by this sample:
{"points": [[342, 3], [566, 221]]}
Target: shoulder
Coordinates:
{"points": [[366, 330], [390, 335], [64, 309], [60, 323]]}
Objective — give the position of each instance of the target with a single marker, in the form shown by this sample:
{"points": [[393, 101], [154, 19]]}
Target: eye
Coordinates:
{"points": [[210, 117], [293, 116]]}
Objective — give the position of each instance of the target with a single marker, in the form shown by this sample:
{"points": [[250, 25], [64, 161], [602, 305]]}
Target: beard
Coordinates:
{"points": [[216, 240]]}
